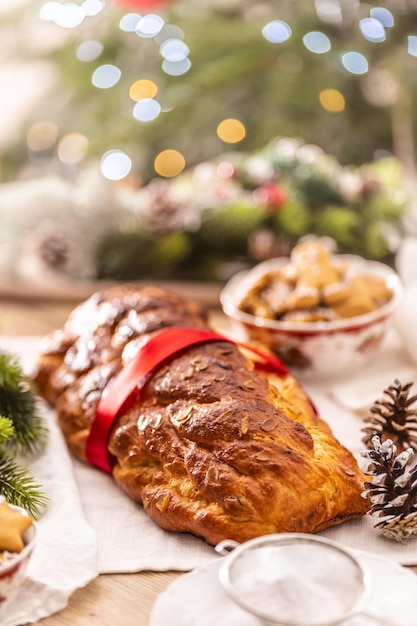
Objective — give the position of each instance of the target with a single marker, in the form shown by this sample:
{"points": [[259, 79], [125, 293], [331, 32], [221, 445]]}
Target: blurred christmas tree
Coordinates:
{"points": [[168, 86], [341, 76]]}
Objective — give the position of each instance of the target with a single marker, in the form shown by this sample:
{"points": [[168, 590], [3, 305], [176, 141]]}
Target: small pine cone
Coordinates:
{"points": [[392, 490], [393, 418], [399, 528]]}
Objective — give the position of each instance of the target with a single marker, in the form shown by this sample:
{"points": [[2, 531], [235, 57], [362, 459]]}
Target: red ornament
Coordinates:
{"points": [[271, 195], [143, 4]]}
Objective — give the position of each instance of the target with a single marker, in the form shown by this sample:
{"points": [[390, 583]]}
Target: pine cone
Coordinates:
{"points": [[392, 491], [393, 418]]}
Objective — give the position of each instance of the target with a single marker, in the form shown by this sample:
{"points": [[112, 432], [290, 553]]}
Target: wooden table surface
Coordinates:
{"points": [[110, 599]]}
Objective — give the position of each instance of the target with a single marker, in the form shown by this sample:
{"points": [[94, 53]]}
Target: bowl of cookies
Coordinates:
{"points": [[17, 542], [323, 314]]}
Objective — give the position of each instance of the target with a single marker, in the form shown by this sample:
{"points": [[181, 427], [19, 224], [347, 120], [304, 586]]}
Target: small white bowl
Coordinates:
{"points": [[315, 350], [13, 570]]}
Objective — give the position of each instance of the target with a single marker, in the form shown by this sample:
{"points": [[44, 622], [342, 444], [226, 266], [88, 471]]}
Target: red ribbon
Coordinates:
{"points": [[130, 381]]}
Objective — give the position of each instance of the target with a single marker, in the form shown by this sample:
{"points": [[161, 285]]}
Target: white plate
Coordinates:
{"points": [[197, 598]]}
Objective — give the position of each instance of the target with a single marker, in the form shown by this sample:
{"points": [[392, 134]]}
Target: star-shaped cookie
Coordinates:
{"points": [[12, 526]]}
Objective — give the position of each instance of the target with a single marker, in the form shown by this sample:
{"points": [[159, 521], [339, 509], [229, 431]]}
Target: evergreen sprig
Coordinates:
{"points": [[22, 432], [18, 486], [18, 403], [6, 430]]}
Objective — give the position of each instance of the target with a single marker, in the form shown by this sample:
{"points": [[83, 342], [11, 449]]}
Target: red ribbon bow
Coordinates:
{"points": [[130, 381]]}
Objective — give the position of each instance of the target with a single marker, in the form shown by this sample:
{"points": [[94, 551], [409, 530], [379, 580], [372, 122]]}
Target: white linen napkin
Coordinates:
{"points": [[129, 541]]}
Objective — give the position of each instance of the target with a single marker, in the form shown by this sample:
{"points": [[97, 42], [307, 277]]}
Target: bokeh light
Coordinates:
{"points": [[72, 148], [69, 15], [231, 131], [143, 88], [277, 31], [149, 26], [146, 110], [49, 11], [42, 136], [372, 30], [332, 100], [176, 68], [106, 76], [169, 163], [317, 42], [355, 62], [89, 50], [174, 50], [115, 164], [412, 45], [129, 22], [92, 7], [383, 15]]}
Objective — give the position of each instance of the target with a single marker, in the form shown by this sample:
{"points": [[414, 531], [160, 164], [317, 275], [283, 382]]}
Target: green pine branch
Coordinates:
{"points": [[18, 403], [6, 430], [19, 487], [22, 432]]}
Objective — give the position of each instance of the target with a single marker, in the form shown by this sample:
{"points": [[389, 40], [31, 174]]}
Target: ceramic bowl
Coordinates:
{"points": [[319, 349], [13, 570]]}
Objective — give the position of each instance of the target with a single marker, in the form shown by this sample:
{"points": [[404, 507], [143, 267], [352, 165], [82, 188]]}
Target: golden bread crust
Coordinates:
{"points": [[214, 446]]}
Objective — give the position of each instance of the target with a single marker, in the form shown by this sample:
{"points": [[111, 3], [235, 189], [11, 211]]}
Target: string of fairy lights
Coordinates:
{"points": [[176, 60]]}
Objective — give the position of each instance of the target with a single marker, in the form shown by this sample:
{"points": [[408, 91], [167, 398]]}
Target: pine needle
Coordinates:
{"points": [[18, 403], [22, 432], [10, 372], [6, 430], [19, 487]]}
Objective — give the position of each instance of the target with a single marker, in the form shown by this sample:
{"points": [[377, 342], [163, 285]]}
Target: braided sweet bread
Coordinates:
{"points": [[217, 443]]}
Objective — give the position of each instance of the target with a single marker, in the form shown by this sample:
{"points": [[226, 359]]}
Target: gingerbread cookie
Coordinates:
{"points": [[12, 527]]}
